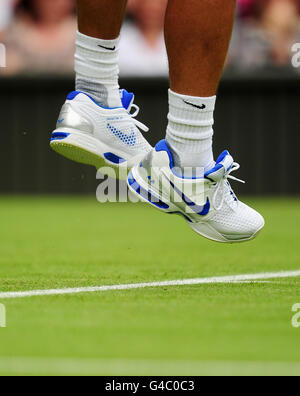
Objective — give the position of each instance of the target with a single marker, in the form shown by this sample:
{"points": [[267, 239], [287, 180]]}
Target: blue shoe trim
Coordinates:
{"points": [[222, 156], [218, 164], [163, 146], [59, 136], [213, 170], [199, 210], [74, 94], [145, 194], [127, 98], [114, 158]]}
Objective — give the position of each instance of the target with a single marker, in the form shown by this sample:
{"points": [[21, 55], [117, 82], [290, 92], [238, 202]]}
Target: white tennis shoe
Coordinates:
{"points": [[98, 136], [208, 203]]}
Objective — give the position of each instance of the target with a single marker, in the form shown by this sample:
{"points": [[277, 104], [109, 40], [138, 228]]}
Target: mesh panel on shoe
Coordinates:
{"points": [[129, 135], [243, 221]]}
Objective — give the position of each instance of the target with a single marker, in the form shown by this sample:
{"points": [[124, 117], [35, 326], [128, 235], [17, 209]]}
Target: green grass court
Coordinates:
{"points": [[50, 243]]}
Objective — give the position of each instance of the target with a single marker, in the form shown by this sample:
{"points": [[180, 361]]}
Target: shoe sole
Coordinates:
{"points": [[221, 238], [87, 150], [208, 232]]}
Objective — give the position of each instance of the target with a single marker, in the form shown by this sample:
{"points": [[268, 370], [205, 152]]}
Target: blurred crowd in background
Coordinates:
{"points": [[39, 36]]}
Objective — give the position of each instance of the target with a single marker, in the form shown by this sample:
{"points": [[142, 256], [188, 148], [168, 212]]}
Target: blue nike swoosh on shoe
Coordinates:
{"points": [[60, 121], [200, 210], [130, 140]]}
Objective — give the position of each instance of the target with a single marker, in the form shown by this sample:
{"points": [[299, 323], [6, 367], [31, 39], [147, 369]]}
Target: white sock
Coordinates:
{"points": [[190, 132], [97, 70]]}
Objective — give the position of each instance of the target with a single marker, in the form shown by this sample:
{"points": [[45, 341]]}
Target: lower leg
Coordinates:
{"points": [[97, 47], [197, 34], [101, 18], [197, 38]]}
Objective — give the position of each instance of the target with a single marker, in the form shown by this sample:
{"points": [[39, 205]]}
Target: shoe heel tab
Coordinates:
{"points": [[163, 146]]}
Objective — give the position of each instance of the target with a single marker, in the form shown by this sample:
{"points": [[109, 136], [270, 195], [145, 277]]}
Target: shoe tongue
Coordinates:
{"points": [[126, 98], [223, 165]]}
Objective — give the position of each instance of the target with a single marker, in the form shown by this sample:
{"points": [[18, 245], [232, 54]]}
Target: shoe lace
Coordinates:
{"points": [[223, 187], [137, 123]]}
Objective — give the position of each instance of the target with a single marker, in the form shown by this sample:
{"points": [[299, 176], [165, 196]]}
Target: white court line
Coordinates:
{"points": [[183, 282]]}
